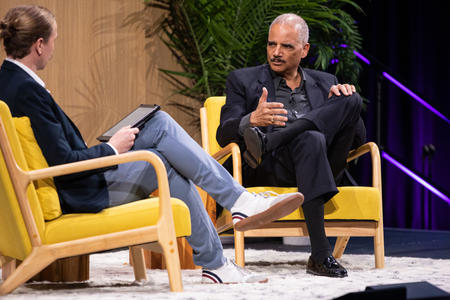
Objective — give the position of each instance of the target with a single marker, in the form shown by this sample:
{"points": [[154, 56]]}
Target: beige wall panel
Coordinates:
{"points": [[101, 68], [158, 89]]}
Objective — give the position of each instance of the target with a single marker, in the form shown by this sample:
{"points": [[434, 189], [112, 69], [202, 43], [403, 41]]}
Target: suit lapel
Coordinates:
{"points": [[265, 80]]}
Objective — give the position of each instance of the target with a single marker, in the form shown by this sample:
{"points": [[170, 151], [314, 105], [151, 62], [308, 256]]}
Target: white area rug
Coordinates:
{"points": [[112, 278]]}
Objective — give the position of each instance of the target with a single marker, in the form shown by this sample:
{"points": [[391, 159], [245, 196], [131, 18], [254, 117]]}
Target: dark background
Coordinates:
{"points": [[410, 39]]}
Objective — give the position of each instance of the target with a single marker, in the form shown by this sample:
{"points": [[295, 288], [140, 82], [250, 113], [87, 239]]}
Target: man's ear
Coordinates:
{"points": [[305, 50], [39, 46]]}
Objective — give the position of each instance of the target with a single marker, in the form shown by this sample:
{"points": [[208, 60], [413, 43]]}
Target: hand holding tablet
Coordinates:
{"points": [[136, 118]]}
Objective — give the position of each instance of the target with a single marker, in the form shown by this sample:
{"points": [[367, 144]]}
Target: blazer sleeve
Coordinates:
{"points": [[58, 145], [232, 112]]}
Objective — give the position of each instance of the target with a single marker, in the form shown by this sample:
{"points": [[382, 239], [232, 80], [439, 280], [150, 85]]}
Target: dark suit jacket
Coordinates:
{"points": [[244, 88], [59, 139]]}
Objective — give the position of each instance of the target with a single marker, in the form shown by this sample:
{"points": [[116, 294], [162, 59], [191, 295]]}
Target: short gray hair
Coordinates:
{"points": [[296, 21]]}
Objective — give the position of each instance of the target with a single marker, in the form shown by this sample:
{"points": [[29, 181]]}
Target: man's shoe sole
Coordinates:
{"points": [[251, 161], [266, 280], [326, 274], [253, 144], [279, 210]]}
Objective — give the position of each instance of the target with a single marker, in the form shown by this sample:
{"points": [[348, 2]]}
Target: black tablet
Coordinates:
{"points": [[136, 118]]}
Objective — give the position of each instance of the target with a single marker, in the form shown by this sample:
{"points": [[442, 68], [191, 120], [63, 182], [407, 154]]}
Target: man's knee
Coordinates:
{"points": [[161, 116], [315, 140], [153, 130], [354, 101]]}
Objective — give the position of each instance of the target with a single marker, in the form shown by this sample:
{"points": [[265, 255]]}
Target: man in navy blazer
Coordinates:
{"points": [[81, 192], [29, 33], [295, 127]]}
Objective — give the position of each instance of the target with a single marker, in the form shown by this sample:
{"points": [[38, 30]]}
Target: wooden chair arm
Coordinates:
{"points": [[375, 159], [371, 147], [233, 149], [101, 162]]}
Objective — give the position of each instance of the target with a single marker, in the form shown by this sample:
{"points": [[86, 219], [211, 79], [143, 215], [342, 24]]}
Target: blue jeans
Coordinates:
{"points": [[187, 165]]}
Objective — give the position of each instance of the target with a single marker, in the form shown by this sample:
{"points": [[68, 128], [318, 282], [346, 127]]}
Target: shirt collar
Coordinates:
{"points": [[277, 79], [27, 70]]}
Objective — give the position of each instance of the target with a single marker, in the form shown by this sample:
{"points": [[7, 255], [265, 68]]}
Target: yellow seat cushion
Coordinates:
{"points": [[45, 188], [128, 216], [351, 203]]}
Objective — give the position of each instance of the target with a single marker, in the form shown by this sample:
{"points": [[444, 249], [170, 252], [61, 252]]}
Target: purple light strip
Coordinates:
{"points": [[415, 177], [417, 98], [404, 88], [361, 57]]}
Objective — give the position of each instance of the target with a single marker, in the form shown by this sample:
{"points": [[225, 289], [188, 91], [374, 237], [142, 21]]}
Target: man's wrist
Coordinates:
{"points": [[114, 148], [250, 119]]}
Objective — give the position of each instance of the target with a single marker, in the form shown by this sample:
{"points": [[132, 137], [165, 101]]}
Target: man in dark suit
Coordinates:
{"points": [[295, 127], [29, 33]]}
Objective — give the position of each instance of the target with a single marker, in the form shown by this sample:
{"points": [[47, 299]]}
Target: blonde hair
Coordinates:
{"points": [[22, 26], [297, 22]]}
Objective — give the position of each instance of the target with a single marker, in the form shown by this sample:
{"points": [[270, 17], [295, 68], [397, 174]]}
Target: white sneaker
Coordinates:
{"points": [[255, 210], [231, 273]]}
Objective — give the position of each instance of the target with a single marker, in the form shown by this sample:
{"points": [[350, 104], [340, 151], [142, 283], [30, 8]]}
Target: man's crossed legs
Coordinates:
{"points": [[188, 165], [310, 154]]}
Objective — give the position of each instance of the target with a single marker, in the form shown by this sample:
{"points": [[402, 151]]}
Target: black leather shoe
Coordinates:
{"points": [[330, 267], [255, 141]]}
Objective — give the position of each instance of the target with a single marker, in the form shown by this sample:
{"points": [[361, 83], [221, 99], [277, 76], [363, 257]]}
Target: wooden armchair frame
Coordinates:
{"points": [[160, 237], [342, 229]]}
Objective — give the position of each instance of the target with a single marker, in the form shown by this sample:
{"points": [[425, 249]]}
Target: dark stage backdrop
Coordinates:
{"points": [[411, 39]]}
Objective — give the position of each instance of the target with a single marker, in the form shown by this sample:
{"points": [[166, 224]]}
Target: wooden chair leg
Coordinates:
{"points": [[239, 245], [154, 260], [186, 256], [8, 266], [35, 262], [168, 243], [378, 246], [172, 259], [339, 247], [68, 269], [203, 195], [137, 255]]}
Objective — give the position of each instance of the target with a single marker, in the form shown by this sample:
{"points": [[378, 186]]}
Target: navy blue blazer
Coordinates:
{"points": [[58, 138], [244, 88]]}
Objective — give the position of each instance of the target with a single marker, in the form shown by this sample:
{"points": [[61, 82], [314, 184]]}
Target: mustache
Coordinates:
{"points": [[276, 59]]}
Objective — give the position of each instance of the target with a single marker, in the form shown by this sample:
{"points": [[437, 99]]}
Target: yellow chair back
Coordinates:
{"points": [[213, 106], [14, 239]]}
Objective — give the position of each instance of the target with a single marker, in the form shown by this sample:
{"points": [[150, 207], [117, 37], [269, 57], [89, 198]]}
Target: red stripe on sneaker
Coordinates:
{"points": [[237, 216], [210, 278], [210, 275]]}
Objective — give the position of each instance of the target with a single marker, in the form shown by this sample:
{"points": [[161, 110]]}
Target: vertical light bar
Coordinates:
{"points": [[415, 177], [417, 98]]}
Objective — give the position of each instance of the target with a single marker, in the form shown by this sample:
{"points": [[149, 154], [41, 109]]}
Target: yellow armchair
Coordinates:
{"points": [[354, 211], [27, 236]]}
